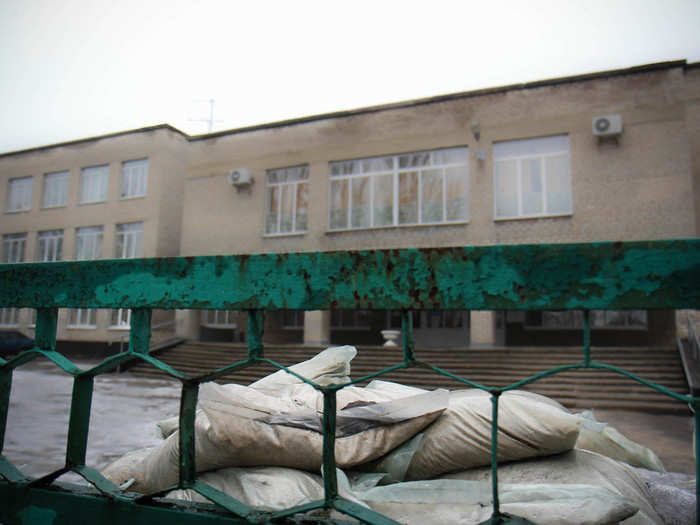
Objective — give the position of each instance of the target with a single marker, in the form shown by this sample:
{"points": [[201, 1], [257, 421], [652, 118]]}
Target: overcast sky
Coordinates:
{"points": [[76, 68]]}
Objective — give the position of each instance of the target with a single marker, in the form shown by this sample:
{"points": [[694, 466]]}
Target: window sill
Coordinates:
{"points": [[220, 326], [289, 234], [79, 327], [90, 203], [132, 197], [10, 212], [57, 207], [531, 217], [400, 226], [119, 328]]}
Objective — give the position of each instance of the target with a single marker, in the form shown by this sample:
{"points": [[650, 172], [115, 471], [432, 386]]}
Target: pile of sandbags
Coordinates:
{"points": [[262, 444]]}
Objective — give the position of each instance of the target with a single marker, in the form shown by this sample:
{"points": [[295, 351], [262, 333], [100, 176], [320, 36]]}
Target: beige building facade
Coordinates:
{"points": [[602, 157]]}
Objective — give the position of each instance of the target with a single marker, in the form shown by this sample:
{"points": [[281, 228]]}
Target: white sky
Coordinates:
{"points": [[76, 68]]}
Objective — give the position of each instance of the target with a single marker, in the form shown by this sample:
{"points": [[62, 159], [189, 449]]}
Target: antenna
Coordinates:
{"points": [[210, 120]]}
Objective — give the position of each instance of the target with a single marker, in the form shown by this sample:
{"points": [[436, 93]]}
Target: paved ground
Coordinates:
{"points": [[671, 437]]}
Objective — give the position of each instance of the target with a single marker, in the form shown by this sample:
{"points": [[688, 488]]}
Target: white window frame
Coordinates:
{"points": [[88, 246], [88, 243], [13, 247], [94, 184], [120, 319], [285, 180], [134, 179], [128, 240], [49, 246], [220, 318], [540, 148], [19, 194], [55, 190], [83, 318], [363, 168]]}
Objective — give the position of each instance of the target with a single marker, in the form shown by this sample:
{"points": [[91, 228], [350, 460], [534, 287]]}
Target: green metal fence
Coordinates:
{"points": [[648, 275]]}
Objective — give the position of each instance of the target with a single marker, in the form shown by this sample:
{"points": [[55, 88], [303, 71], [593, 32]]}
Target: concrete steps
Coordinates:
{"points": [[577, 389]]}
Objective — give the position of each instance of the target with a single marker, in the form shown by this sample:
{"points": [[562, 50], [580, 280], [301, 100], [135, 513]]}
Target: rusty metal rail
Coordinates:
{"points": [[649, 275]]}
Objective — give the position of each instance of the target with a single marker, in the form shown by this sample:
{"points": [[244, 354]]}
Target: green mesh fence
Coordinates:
{"points": [[648, 275]]}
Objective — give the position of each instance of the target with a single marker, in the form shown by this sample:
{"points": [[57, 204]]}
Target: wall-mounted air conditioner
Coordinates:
{"points": [[240, 177], [607, 126]]}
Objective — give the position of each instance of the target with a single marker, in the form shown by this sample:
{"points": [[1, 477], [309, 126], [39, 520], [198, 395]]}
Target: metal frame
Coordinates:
{"points": [[655, 274]]}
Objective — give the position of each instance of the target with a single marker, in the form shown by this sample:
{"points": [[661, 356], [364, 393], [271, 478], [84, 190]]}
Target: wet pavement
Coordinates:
{"points": [[124, 412], [125, 409]]}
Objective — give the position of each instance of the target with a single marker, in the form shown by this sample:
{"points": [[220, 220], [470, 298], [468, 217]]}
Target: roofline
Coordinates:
{"points": [[647, 68], [96, 138]]}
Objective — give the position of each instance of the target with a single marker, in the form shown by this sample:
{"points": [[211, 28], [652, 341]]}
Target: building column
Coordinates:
{"points": [[483, 327], [317, 327], [187, 324]]}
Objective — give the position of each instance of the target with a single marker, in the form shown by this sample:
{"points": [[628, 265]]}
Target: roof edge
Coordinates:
{"points": [[145, 129]]}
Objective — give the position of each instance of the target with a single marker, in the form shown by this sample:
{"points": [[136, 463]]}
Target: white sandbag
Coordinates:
{"points": [[246, 427], [470, 502], [126, 468], [576, 467], [264, 488], [604, 439], [332, 366], [461, 437]]}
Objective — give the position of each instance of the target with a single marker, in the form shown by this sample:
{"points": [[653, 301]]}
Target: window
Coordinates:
{"points": [[293, 319], [88, 246], [128, 243], [287, 200], [55, 191], [128, 240], [134, 178], [350, 319], [50, 246], [19, 194], [88, 243], [220, 318], [532, 177], [13, 245], [83, 318], [428, 187], [93, 184], [600, 319]]}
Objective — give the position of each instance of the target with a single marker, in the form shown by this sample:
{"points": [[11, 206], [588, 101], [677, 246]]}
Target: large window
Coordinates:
{"points": [[55, 190], [599, 319], [83, 318], [93, 184], [19, 194], [350, 319], [134, 178], [427, 187], [287, 200], [13, 245], [50, 246], [128, 241], [88, 243], [532, 177], [220, 318]]}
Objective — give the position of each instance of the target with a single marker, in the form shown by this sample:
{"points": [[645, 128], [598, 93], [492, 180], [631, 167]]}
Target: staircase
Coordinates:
{"points": [[576, 389]]}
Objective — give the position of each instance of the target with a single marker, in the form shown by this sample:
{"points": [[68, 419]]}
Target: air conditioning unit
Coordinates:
{"points": [[607, 126], [240, 177]]}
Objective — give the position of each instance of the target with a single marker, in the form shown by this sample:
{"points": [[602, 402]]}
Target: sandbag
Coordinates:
{"points": [[127, 468], [604, 439], [332, 366], [576, 467], [461, 437], [264, 488], [470, 502], [246, 427]]}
